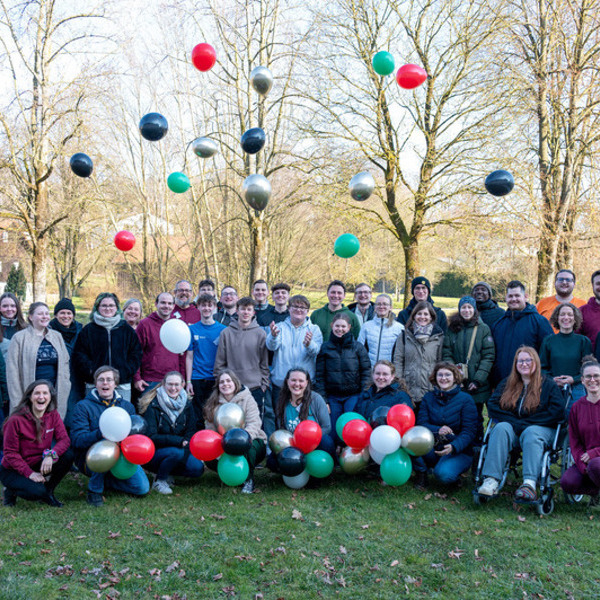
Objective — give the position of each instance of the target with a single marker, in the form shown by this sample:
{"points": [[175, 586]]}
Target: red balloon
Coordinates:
{"points": [[206, 445], [401, 417], [204, 57], [356, 434], [410, 76], [124, 240], [307, 436], [138, 449]]}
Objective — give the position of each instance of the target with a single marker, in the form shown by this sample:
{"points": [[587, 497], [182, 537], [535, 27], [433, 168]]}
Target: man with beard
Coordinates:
{"points": [[184, 309], [564, 284], [227, 312]]}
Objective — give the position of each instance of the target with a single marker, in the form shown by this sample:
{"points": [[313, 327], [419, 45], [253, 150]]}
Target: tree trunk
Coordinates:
{"points": [[411, 259], [259, 242]]}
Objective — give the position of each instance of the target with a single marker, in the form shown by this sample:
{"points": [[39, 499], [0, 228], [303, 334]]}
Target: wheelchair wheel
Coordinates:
{"points": [[546, 505], [567, 461]]}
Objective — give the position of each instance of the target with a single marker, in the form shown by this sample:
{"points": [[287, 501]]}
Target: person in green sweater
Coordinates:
{"points": [[323, 317], [561, 354]]}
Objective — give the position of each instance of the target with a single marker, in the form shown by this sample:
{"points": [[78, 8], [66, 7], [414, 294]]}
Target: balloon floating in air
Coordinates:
{"points": [[175, 335], [178, 182], [499, 183], [383, 63], [124, 240], [204, 57], [362, 186], [410, 76], [204, 147], [153, 127], [81, 164], [257, 191], [253, 140], [262, 80], [346, 246]]}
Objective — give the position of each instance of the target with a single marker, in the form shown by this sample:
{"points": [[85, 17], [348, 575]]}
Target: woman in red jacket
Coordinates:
{"points": [[36, 448]]}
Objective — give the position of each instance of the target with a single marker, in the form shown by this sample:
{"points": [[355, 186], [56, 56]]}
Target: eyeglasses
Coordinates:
{"points": [[182, 291], [564, 280], [524, 361], [382, 304], [445, 376], [590, 377], [229, 294], [296, 307], [105, 380]]}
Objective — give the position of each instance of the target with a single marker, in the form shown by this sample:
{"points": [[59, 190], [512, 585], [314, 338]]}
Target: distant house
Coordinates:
{"points": [[12, 253]]}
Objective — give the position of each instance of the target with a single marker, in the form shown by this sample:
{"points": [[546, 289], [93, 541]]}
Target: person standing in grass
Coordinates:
{"points": [[323, 317]]}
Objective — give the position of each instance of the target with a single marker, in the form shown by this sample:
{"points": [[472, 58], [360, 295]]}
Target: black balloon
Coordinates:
{"points": [[138, 424], [379, 416], [291, 461], [236, 441], [81, 164], [153, 127], [499, 183], [253, 140]]}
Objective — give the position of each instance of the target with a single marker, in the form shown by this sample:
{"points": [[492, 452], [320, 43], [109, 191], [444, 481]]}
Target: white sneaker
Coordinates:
{"points": [[489, 487], [162, 487]]}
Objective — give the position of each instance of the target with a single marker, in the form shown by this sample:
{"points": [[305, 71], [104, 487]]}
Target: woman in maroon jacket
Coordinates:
{"points": [[36, 448]]}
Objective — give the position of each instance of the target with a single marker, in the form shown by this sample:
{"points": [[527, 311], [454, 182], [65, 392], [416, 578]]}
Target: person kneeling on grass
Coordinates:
{"points": [[36, 448], [171, 421], [85, 431]]}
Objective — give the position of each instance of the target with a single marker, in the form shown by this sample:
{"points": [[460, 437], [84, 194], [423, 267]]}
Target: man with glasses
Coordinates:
{"points": [[228, 310], [362, 307], [564, 284], [184, 309]]}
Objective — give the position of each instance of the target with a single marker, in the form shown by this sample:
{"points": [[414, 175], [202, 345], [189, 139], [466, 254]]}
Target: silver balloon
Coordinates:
{"points": [[257, 191], [297, 482], [418, 441], [102, 456], [362, 186], [280, 439], [228, 417], [204, 147], [262, 80], [353, 462]]}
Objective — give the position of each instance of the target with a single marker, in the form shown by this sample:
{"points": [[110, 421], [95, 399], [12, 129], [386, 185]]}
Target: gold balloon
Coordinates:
{"points": [[102, 456], [228, 417], [418, 441], [280, 439], [353, 462]]}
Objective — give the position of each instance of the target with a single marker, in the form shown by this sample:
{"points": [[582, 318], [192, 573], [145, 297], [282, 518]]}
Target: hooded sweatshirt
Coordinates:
{"points": [[591, 319], [584, 431]]}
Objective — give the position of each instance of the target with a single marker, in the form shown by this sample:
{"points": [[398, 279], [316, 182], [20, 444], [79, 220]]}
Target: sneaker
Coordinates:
{"points": [[248, 487], [489, 487], [420, 482], [95, 499], [162, 487], [9, 498]]}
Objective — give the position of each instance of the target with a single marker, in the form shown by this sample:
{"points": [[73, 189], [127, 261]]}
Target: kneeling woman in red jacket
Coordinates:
{"points": [[36, 448]]}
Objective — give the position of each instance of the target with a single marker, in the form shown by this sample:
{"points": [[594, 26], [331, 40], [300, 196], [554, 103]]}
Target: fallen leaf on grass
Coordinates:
{"points": [[414, 581], [427, 497], [521, 519], [139, 537], [437, 565], [478, 532], [296, 514], [80, 537], [364, 527], [394, 563], [172, 567], [477, 557], [456, 553], [521, 575], [218, 576], [45, 551], [114, 534], [343, 550], [218, 517]]}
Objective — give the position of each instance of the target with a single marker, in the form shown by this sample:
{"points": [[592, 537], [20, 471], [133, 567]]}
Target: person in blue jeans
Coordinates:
{"points": [[450, 414], [171, 422], [85, 432]]}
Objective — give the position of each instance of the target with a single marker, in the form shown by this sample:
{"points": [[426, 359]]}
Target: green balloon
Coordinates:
{"points": [[178, 182], [346, 246], [345, 418], [233, 470], [383, 63], [396, 468], [124, 469], [319, 463]]}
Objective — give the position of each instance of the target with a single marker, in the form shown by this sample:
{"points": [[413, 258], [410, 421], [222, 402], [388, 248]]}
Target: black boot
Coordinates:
{"points": [[420, 482], [9, 498]]}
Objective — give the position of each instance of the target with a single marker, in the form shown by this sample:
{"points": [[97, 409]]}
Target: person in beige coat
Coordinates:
{"points": [[38, 353]]}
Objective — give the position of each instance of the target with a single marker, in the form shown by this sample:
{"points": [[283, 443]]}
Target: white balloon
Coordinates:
{"points": [[385, 439], [297, 481], [175, 335], [376, 456], [115, 424]]}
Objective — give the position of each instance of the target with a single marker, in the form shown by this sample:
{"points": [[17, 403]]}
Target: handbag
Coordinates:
{"points": [[464, 367]]}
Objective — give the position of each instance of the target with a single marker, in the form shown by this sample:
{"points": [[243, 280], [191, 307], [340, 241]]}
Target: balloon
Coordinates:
{"points": [[346, 418], [233, 470], [138, 449], [228, 416], [291, 461], [297, 481], [204, 57], [102, 456], [418, 441], [383, 63], [354, 461], [307, 436], [262, 80], [357, 433], [385, 439], [362, 186], [237, 441], [401, 417], [253, 140], [375, 455], [204, 147], [178, 182], [410, 76], [257, 191], [206, 445], [153, 127], [81, 164], [124, 240], [175, 335], [499, 183], [346, 246], [319, 463], [396, 468], [280, 439], [138, 424], [123, 469], [379, 416], [115, 423]]}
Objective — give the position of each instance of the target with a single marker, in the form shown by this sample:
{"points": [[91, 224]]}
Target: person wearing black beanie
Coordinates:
{"points": [[420, 288]]}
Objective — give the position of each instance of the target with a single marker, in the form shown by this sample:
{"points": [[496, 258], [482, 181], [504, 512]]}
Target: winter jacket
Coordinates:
{"points": [[414, 360], [223, 317], [549, 413], [166, 434], [379, 339], [490, 312], [517, 328], [584, 431], [118, 347], [290, 350], [373, 398], [455, 409], [244, 351], [69, 335], [562, 354], [591, 319], [343, 367], [265, 317], [317, 412], [323, 318], [440, 315], [456, 349], [368, 316], [4, 398]]}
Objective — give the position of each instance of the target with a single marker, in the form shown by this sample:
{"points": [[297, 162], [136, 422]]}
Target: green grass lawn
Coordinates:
{"points": [[351, 538]]}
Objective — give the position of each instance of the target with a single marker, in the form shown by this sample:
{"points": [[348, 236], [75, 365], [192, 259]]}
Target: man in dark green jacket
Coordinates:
{"points": [[323, 317]]}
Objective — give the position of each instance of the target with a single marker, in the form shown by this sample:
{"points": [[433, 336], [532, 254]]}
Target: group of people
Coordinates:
{"points": [[531, 366]]}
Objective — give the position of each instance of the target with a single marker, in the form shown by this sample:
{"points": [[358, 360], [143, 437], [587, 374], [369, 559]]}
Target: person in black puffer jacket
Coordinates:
{"points": [[343, 369]]}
